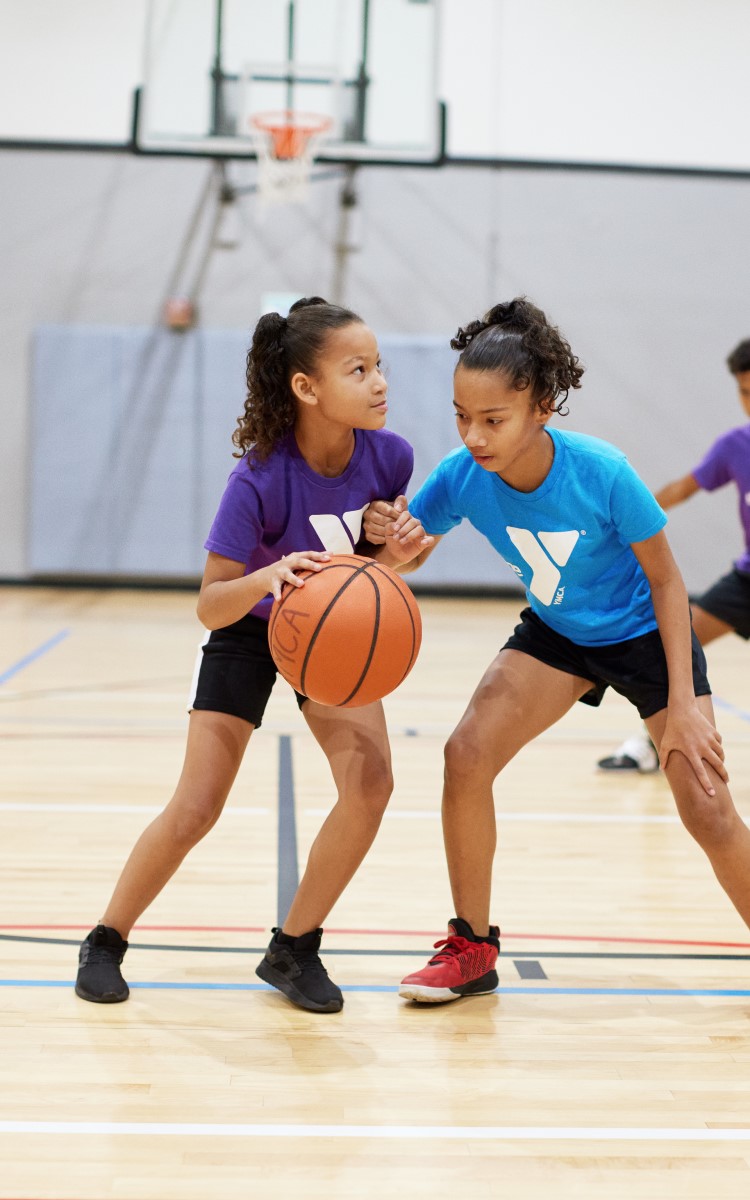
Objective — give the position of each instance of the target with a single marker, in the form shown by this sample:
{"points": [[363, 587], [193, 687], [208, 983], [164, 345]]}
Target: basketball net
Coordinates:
{"points": [[285, 146]]}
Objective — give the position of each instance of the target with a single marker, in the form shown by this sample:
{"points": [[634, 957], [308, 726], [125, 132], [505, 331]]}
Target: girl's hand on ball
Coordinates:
{"points": [[350, 636], [283, 572]]}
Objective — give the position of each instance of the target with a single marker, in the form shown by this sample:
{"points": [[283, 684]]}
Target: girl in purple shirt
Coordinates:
{"points": [[312, 455]]}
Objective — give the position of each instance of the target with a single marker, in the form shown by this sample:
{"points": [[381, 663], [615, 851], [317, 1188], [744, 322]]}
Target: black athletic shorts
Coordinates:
{"points": [[729, 600], [637, 668], [235, 672]]}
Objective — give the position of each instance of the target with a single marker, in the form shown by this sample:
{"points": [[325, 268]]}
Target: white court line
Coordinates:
{"points": [[38, 807], [397, 814], [551, 817], [524, 1133]]}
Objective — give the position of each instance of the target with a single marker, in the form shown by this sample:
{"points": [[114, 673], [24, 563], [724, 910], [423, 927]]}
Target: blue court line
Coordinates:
{"points": [[725, 706], [33, 655], [391, 987]]}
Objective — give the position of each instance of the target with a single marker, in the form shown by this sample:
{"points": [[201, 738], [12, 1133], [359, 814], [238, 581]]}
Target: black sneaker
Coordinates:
{"points": [[99, 977], [292, 965]]}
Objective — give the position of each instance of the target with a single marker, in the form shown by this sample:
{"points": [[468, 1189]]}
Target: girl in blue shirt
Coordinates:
{"points": [[607, 608]]}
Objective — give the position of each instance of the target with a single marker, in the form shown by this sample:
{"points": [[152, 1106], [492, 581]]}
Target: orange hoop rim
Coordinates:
{"points": [[307, 124]]}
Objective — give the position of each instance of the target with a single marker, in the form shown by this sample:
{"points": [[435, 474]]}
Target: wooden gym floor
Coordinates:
{"points": [[613, 1062]]}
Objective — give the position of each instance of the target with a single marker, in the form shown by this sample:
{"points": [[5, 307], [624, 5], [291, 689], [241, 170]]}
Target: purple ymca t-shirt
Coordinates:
{"points": [[728, 461], [282, 506]]}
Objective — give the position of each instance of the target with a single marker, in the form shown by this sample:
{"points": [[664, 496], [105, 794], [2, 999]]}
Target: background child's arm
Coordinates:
{"points": [[676, 491]]}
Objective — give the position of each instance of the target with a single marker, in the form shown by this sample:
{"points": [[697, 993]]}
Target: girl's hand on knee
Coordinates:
{"points": [[698, 740]]}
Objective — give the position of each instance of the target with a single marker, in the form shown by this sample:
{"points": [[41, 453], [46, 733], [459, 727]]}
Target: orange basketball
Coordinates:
{"points": [[349, 636]]}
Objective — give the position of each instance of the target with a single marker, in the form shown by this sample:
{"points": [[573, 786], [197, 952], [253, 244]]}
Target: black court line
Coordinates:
{"points": [[533, 955], [287, 867], [529, 968]]}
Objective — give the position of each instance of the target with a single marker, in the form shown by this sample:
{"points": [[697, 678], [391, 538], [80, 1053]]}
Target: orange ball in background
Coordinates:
{"points": [[349, 636], [179, 313]]}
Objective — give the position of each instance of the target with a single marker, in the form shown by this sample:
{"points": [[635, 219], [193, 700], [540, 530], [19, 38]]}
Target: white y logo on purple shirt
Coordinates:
{"points": [[339, 535]]}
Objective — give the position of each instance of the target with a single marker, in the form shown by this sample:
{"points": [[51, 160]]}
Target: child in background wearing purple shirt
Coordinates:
{"points": [[725, 607], [312, 455]]}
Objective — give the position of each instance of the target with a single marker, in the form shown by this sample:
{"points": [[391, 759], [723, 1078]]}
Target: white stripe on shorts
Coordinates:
{"points": [[196, 672]]}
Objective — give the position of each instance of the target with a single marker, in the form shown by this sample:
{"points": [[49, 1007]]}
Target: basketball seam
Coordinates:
{"points": [[373, 641], [360, 570], [367, 568], [292, 591], [401, 596]]}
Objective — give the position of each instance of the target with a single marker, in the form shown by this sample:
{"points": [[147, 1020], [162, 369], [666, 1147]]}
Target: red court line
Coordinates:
{"points": [[421, 933]]}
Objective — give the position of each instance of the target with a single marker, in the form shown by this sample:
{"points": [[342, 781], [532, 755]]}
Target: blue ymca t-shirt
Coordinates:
{"points": [[568, 541]]}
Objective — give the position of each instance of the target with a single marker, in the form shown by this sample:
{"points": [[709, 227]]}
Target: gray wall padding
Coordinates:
{"points": [[131, 436], [644, 273]]}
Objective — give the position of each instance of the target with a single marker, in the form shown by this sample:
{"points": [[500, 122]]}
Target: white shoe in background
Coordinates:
{"points": [[636, 753]]}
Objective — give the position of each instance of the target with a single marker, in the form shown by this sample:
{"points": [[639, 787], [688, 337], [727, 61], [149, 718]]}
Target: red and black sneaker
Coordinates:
{"points": [[463, 966]]}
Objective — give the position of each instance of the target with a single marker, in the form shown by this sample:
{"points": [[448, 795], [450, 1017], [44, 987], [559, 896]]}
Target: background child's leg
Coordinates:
{"points": [[355, 742], [517, 699], [637, 752], [712, 820], [215, 746], [707, 627]]}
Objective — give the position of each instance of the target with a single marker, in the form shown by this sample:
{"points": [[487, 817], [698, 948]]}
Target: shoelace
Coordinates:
{"points": [[103, 954], [308, 960], [453, 945]]}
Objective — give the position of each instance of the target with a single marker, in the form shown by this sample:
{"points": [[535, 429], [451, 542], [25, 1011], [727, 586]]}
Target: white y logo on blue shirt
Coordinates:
{"points": [[544, 574], [339, 535]]}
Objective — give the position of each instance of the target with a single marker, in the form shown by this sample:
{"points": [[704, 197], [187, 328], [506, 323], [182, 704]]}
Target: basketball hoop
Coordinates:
{"points": [[285, 145]]}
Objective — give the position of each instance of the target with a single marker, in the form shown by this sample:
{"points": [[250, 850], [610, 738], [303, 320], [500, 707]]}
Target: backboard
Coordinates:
{"points": [[368, 66]]}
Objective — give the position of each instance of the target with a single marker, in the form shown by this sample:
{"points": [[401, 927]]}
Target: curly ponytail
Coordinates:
{"points": [[281, 347], [517, 340]]}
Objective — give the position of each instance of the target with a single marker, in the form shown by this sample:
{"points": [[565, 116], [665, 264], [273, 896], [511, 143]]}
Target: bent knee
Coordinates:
{"points": [[711, 820], [372, 797], [464, 756], [190, 821], [378, 793]]}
